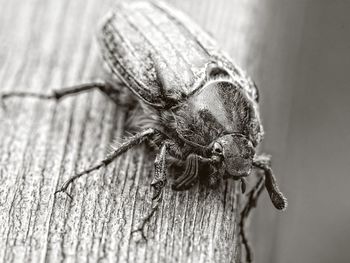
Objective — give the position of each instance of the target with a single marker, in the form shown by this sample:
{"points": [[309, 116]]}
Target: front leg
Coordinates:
{"points": [[158, 184], [264, 162], [190, 175]]}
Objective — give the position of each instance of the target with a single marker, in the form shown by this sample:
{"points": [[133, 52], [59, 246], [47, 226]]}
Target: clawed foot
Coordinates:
{"points": [[142, 228], [63, 189], [20, 94], [156, 200]]}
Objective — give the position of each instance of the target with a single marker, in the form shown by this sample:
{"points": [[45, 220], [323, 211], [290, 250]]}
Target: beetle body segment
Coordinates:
{"points": [[193, 104], [160, 54], [192, 90]]}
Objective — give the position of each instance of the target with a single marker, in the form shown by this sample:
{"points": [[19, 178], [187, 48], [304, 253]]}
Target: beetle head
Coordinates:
{"points": [[235, 153]]}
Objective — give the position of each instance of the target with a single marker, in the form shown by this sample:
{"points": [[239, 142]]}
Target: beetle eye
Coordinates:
{"points": [[217, 148]]}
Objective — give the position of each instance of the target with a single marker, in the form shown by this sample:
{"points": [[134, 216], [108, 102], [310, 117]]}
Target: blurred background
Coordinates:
{"points": [[298, 52], [301, 63]]}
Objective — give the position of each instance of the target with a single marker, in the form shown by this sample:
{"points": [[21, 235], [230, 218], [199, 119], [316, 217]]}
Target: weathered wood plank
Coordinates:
{"points": [[47, 44]]}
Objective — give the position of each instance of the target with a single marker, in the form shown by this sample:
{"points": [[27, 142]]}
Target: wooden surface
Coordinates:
{"points": [[49, 44], [296, 51]]}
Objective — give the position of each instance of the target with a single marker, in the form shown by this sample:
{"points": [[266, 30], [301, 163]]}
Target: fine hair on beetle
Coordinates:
{"points": [[195, 108]]}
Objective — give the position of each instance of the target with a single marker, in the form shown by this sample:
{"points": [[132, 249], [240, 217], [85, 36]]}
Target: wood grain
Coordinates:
{"points": [[49, 44]]}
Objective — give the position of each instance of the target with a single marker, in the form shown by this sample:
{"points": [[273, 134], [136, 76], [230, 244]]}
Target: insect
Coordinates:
{"points": [[191, 102]]}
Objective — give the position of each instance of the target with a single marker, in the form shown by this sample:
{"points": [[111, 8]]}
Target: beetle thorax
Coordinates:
{"points": [[218, 108]]}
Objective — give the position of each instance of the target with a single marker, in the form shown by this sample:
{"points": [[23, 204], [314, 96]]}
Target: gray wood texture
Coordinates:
{"points": [[48, 44]]}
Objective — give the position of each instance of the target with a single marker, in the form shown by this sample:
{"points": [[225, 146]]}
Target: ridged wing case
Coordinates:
{"points": [[148, 45]]}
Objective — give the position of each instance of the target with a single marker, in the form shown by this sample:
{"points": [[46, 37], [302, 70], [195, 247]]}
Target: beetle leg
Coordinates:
{"points": [[131, 142], [158, 184], [160, 177], [58, 94], [253, 197], [279, 201], [190, 174], [276, 196], [173, 161], [243, 185]]}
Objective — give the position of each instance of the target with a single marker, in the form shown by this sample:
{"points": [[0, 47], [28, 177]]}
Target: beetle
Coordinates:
{"points": [[192, 103]]}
